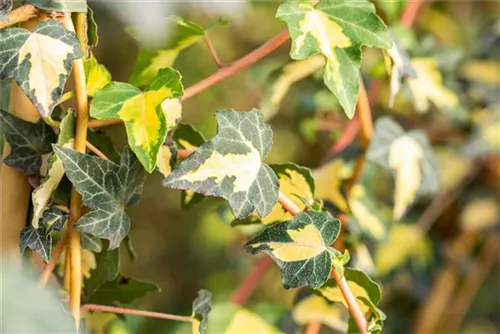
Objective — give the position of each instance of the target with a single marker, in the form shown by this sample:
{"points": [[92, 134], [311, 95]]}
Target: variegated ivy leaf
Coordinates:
{"points": [[28, 141], [329, 178], [39, 239], [336, 29], [88, 241], [427, 86], [92, 28], [230, 165], [366, 291], [144, 118], [188, 138], [42, 195], [182, 34], [5, 7], [401, 69], [67, 6], [201, 308], [410, 156], [297, 184], [105, 187], [280, 81], [300, 247], [39, 61], [97, 75], [246, 321]]}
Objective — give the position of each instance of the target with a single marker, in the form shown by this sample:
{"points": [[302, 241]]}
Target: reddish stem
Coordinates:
{"points": [[249, 284], [349, 134], [140, 313], [238, 65], [213, 52], [313, 328], [410, 13]]}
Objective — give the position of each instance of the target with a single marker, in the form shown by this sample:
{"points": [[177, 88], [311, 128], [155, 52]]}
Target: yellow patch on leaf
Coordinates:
{"points": [[163, 160], [172, 108], [404, 157], [47, 56], [316, 309], [307, 243], [367, 220], [247, 322], [428, 86], [335, 295], [328, 180], [244, 167], [143, 107]]}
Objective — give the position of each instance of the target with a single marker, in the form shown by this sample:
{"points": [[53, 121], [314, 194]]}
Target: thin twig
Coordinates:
{"points": [[54, 259], [140, 313], [442, 201], [313, 327], [410, 13], [18, 15], [472, 283], [347, 137], [247, 286], [352, 304], [221, 74], [82, 119], [213, 52], [96, 151]]}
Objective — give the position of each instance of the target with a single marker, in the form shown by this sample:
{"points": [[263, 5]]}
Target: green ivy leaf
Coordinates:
{"points": [[100, 140], [5, 8], [53, 219], [67, 6], [36, 240], [410, 156], [300, 247], [182, 34], [29, 141], [92, 28], [230, 165], [90, 242], [201, 308], [187, 137], [39, 61], [42, 195], [361, 286], [144, 119], [105, 187], [336, 29], [122, 290], [97, 75], [280, 81], [106, 270]]}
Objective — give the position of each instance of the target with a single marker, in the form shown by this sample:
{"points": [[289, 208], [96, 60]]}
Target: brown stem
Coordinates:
{"points": [[441, 202], [364, 113], [213, 52], [410, 13], [82, 119], [431, 310], [352, 304], [19, 15], [313, 328], [246, 287], [54, 258], [96, 123], [347, 137], [96, 151], [472, 283], [140, 313]]}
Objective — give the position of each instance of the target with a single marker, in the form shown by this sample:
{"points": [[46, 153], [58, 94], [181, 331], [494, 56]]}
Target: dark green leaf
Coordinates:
{"points": [[67, 6], [230, 165], [107, 269], [90, 242], [105, 187], [300, 247], [53, 219], [101, 140], [201, 308], [46, 52], [122, 290], [92, 28], [36, 240], [29, 141]]}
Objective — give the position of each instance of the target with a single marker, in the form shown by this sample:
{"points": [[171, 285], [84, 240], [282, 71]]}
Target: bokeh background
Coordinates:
{"points": [[185, 250]]}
